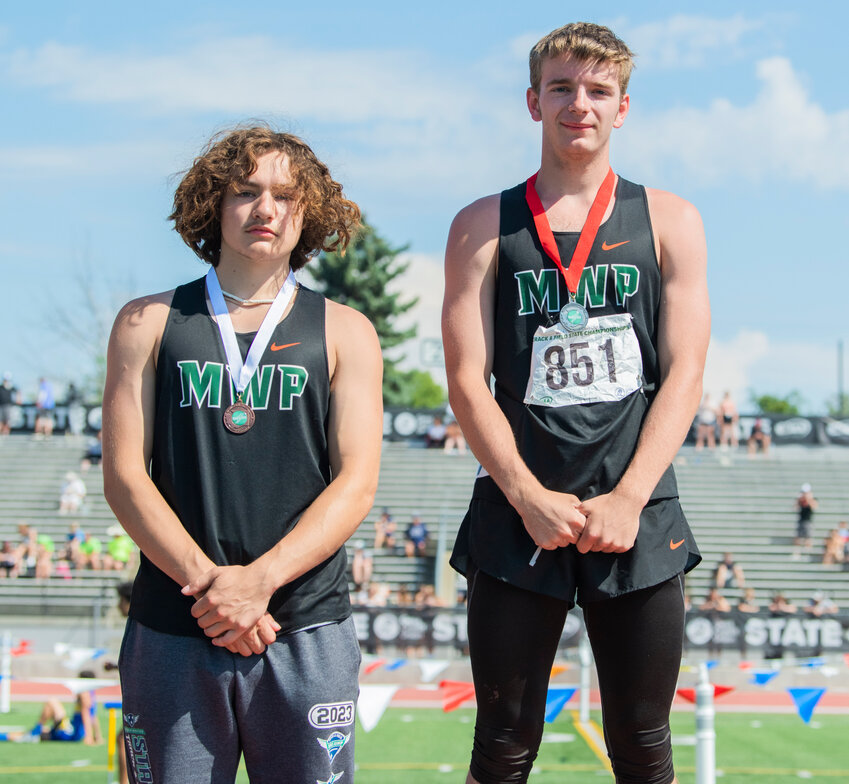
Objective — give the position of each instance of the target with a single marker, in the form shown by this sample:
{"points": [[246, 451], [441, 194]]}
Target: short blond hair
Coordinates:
{"points": [[584, 41]]}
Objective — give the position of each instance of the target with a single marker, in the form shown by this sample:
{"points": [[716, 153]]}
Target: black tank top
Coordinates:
{"points": [[581, 449], [238, 495]]}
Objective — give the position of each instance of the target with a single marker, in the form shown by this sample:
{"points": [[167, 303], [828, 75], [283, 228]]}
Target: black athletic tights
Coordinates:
{"points": [[636, 640]]}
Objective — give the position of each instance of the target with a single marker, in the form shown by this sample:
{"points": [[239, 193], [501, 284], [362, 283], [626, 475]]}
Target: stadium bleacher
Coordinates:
{"points": [[31, 475], [734, 503]]}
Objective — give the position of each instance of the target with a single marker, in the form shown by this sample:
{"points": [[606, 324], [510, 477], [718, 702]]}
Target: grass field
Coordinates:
{"points": [[427, 746]]}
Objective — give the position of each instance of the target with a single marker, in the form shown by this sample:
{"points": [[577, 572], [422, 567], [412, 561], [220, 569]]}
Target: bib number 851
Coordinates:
{"points": [[557, 373], [601, 363]]}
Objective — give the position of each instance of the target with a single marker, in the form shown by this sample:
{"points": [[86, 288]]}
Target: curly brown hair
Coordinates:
{"points": [[329, 219]]}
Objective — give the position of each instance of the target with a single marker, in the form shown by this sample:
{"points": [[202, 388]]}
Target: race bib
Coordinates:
{"points": [[600, 363]]}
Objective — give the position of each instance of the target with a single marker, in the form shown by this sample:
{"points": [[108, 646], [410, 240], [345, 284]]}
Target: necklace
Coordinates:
{"points": [[247, 302]]}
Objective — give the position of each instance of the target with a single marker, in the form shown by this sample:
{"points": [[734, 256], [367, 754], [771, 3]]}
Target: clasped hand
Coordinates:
{"points": [[231, 608], [606, 523]]}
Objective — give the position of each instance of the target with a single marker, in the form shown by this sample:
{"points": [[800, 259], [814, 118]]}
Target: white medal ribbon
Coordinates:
{"points": [[242, 372]]}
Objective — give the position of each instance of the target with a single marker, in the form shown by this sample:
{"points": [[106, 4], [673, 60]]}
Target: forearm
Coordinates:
{"points": [[491, 439], [323, 528], [153, 526]]}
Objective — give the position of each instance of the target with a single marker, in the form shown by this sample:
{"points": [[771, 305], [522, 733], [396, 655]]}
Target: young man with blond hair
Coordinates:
{"points": [[584, 297], [242, 429]]}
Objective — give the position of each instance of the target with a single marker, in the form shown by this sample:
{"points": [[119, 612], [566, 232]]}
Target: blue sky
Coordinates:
{"points": [[418, 109]]}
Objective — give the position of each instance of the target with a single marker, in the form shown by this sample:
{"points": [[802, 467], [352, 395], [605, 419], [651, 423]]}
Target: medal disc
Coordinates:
{"points": [[574, 316], [239, 418]]}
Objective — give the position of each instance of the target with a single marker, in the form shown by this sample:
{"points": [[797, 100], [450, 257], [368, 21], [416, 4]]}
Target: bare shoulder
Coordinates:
{"points": [[678, 228], [140, 323], [474, 231], [351, 339], [150, 308], [479, 214], [670, 212], [346, 322]]}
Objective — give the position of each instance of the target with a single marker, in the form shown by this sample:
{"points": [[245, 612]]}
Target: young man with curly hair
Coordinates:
{"points": [[584, 296], [242, 427]]}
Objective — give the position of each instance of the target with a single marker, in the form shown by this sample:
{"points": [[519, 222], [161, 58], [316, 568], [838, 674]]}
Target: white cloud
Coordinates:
{"points": [[138, 158], [780, 367], [407, 123], [404, 118], [781, 135], [729, 364], [423, 279], [245, 75], [399, 116], [684, 41]]}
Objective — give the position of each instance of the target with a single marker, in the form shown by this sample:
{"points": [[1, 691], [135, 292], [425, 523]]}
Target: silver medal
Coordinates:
{"points": [[574, 317]]}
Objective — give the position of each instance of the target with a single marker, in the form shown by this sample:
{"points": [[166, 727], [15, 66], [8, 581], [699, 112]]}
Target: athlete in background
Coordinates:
{"points": [[584, 297], [242, 428]]}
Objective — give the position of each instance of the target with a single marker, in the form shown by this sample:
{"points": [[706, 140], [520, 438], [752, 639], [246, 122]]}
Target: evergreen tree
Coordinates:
{"points": [[361, 279]]}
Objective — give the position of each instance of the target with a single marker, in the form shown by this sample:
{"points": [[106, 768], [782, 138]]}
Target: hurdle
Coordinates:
{"points": [[113, 709]]}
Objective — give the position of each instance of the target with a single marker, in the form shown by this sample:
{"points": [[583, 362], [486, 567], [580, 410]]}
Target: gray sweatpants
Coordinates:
{"points": [[191, 709]]}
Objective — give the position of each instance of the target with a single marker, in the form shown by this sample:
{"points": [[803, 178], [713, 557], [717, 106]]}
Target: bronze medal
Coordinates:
{"points": [[239, 418]]}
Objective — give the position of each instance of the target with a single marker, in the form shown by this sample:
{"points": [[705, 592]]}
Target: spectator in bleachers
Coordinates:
{"points": [[820, 604], [728, 573], [758, 438], [89, 553], [403, 598], [426, 597], [715, 602], [748, 603], [706, 425], [119, 550], [27, 550], [72, 494], [45, 549], [835, 548], [806, 505], [93, 453], [8, 560], [362, 566], [435, 435], [9, 398], [780, 606], [73, 539], [416, 537], [378, 595], [45, 403], [728, 418], [843, 530], [76, 412], [384, 531], [455, 442]]}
